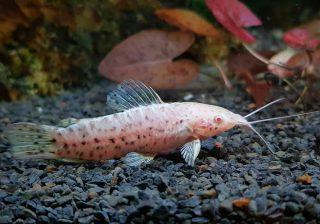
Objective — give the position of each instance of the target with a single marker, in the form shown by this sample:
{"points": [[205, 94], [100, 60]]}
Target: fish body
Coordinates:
{"points": [[159, 128], [144, 127]]}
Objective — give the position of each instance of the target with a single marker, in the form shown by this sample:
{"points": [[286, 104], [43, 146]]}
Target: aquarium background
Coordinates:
{"points": [[49, 46]]}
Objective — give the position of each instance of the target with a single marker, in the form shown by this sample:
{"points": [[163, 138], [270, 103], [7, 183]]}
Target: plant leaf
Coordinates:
{"points": [[240, 14], [302, 61], [188, 20], [234, 15], [301, 38], [259, 91], [281, 58], [147, 56], [246, 66], [244, 62]]}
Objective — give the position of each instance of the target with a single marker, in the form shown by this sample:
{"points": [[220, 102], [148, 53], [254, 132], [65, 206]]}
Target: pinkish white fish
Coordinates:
{"points": [[144, 128]]}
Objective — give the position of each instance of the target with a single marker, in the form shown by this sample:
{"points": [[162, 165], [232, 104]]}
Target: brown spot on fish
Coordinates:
{"points": [[65, 146], [117, 147], [54, 140], [100, 156], [138, 136], [112, 140], [123, 139], [96, 140], [91, 154], [68, 152], [80, 154], [74, 145], [83, 142]]}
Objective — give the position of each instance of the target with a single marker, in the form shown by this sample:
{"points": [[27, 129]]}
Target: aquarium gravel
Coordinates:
{"points": [[235, 178]]}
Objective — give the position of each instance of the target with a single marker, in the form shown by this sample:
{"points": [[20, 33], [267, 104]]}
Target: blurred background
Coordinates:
{"points": [[47, 46]]}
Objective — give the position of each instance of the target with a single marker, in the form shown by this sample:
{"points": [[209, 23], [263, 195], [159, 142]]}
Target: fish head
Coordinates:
{"points": [[215, 120]]}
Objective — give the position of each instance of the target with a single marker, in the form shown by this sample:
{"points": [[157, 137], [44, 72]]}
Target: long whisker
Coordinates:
{"points": [[260, 136], [265, 106], [282, 117]]}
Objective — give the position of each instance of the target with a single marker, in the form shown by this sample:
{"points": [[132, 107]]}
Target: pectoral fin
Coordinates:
{"points": [[136, 159], [190, 151]]}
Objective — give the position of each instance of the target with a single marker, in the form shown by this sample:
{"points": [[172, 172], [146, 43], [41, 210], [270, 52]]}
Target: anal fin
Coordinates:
{"points": [[190, 151], [136, 159]]}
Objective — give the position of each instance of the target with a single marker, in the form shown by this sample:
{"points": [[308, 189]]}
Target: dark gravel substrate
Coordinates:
{"points": [[167, 190]]}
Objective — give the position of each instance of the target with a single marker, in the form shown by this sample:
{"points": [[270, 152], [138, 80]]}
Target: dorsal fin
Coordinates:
{"points": [[130, 94]]}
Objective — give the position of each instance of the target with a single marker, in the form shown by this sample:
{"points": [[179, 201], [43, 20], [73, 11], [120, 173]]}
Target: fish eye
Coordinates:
{"points": [[218, 119]]}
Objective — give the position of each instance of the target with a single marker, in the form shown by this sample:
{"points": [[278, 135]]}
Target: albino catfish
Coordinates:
{"points": [[144, 127]]}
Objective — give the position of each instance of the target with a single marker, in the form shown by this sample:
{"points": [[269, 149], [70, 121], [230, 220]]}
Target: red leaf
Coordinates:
{"points": [[234, 15], [241, 15], [301, 38], [148, 56]]}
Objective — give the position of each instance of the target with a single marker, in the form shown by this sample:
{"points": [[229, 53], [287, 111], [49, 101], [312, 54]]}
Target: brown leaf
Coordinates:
{"points": [[241, 202], [188, 20], [305, 179], [246, 66], [245, 62], [302, 61], [259, 91], [147, 56]]}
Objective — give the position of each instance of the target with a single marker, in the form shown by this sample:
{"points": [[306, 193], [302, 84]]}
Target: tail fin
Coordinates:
{"points": [[31, 141]]}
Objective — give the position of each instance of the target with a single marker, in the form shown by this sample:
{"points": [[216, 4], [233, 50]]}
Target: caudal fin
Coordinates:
{"points": [[31, 141]]}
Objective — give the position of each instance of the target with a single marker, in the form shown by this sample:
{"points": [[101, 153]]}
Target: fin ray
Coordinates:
{"points": [[190, 151], [136, 159], [130, 94], [31, 141]]}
